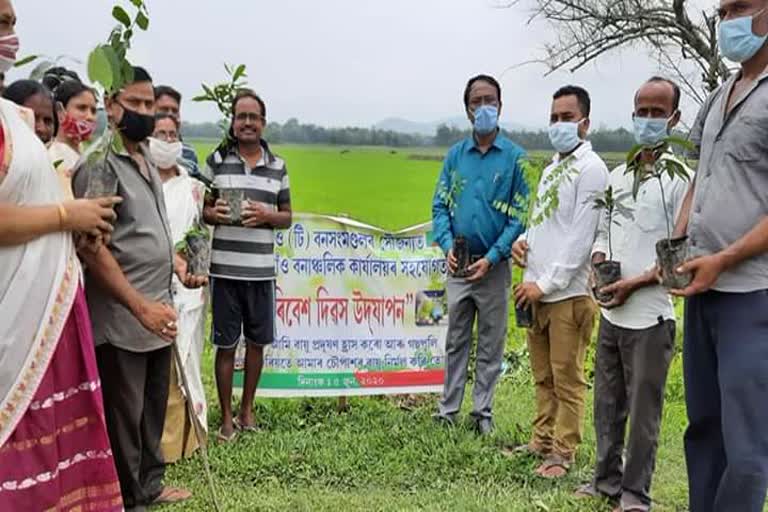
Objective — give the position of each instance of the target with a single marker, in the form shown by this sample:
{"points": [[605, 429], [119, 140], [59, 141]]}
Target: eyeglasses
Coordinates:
{"points": [[249, 117], [479, 101], [166, 136]]}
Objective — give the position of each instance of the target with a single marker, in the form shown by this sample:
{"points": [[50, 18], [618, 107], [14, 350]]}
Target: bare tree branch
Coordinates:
{"points": [[587, 29]]}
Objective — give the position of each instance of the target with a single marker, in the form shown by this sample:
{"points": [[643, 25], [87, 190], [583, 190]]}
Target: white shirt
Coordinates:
{"points": [[634, 246], [560, 247]]}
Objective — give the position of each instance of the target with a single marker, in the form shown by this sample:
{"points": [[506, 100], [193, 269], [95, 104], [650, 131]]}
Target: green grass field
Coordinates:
{"points": [[386, 454]]}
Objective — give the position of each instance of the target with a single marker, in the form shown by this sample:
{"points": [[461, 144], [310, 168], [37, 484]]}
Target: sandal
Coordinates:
{"points": [[553, 463], [171, 495], [220, 437], [239, 425]]}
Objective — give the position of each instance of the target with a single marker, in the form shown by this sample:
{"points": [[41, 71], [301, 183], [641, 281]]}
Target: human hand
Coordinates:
{"points": [[527, 294], [255, 214], [181, 268], [621, 290], [219, 213], [705, 270], [520, 253], [478, 270], [158, 318], [92, 216], [453, 263]]}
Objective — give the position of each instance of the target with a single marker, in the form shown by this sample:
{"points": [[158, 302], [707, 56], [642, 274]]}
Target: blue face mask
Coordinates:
{"points": [[564, 136], [649, 131], [737, 41], [486, 119]]}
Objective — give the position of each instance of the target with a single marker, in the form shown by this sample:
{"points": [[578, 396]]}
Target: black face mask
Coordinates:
{"points": [[136, 127]]}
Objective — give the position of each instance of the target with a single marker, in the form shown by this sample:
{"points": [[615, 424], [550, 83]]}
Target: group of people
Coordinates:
{"points": [[108, 320], [723, 212]]}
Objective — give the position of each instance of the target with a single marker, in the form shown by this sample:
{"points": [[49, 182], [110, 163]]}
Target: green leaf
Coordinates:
{"points": [[239, 73], [26, 60], [100, 68], [142, 21], [138, 3], [120, 15], [126, 74]]}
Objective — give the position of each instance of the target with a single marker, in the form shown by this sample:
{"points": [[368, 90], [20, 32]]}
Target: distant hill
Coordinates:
{"points": [[400, 125]]}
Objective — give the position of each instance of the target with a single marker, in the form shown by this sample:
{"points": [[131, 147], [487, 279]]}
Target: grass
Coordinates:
{"points": [[386, 454]]}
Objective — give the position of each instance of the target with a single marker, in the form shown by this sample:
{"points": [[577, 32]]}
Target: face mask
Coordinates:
{"points": [[165, 154], [564, 136], [9, 46], [650, 131], [737, 41], [136, 127], [78, 131], [486, 119]]}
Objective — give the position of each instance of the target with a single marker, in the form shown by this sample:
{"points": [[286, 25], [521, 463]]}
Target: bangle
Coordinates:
{"points": [[63, 217]]}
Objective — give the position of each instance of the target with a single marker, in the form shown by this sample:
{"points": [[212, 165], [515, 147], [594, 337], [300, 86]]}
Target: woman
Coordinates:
{"points": [[76, 114], [184, 201], [36, 97], [54, 449]]}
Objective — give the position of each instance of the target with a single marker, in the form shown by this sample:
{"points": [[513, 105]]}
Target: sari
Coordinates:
{"points": [[184, 204], [54, 448]]}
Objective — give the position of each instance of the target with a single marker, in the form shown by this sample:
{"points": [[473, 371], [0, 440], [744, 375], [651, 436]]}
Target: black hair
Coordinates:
{"points": [[68, 90], [162, 116], [582, 97], [58, 75], [675, 90], [21, 90], [248, 93], [480, 78], [167, 90], [140, 75]]}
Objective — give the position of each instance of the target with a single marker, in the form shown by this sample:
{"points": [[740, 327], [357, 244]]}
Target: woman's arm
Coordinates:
{"points": [[20, 224]]}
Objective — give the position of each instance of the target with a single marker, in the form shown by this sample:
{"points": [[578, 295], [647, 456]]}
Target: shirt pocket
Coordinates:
{"points": [[749, 139], [649, 210]]}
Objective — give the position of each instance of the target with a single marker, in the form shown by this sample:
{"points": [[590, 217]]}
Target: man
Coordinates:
{"points": [[479, 172], [168, 101], [726, 320], [128, 286], [243, 259], [637, 328], [556, 254]]}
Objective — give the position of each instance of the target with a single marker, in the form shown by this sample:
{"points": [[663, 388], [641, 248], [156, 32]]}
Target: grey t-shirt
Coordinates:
{"points": [[142, 246], [731, 192]]}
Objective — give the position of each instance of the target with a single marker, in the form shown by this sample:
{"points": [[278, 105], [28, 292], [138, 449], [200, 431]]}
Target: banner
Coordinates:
{"points": [[359, 311]]}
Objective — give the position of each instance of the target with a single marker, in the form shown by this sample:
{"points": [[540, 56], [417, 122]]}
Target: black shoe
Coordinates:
{"points": [[484, 426], [447, 420]]}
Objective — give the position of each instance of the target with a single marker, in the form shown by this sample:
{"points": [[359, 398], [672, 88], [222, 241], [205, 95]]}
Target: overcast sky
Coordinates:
{"points": [[341, 62]]}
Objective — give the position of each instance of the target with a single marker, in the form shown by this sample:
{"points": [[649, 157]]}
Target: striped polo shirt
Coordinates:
{"points": [[242, 253]]}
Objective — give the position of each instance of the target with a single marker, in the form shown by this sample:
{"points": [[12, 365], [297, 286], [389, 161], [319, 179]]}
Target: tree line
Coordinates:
{"points": [[294, 132]]}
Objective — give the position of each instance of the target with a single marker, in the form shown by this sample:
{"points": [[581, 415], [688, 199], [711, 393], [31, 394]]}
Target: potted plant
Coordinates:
{"points": [[223, 95], [609, 271], [542, 201], [196, 249], [654, 162], [109, 67], [449, 194]]}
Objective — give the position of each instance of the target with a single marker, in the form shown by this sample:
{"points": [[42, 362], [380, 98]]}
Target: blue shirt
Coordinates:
{"points": [[470, 188]]}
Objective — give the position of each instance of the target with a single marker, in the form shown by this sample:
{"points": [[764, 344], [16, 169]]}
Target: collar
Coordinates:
{"points": [[584, 148], [497, 142], [267, 155]]}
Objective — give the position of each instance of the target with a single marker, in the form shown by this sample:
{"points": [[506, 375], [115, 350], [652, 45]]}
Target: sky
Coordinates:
{"points": [[342, 62]]}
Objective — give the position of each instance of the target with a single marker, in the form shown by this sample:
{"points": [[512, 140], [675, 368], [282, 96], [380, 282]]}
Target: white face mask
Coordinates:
{"points": [[165, 154]]}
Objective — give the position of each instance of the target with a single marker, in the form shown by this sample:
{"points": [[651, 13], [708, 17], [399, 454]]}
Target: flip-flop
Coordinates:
{"points": [[239, 425], [220, 437], [171, 495]]}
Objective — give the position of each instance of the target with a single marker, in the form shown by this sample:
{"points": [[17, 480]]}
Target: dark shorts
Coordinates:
{"points": [[246, 307]]}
